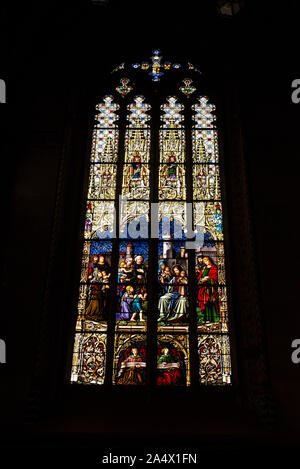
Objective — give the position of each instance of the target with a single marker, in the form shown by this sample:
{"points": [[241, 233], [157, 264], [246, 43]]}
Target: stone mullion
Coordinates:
{"points": [[115, 250], [194, 375]]}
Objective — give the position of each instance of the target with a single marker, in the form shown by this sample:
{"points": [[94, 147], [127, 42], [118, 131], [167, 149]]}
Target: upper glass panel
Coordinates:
{"points": [[138, 117], [105, 134]]}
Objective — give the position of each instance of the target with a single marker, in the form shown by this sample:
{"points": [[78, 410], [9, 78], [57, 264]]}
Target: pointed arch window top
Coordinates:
{"points": [[105, 134], [138, 112], [172, 113], [204, 117], [107, 112]]}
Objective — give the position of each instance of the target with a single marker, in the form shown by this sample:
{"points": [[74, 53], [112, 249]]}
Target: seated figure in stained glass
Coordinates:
{"points": [[173, 304], [169, 368], [132, 368]]}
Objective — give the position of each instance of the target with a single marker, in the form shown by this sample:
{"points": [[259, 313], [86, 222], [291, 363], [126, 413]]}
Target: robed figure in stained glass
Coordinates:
{"points": [[136, 179], [98, 289], [168, 369], [125, 306], [132, 369], [138, 304], [218, 219], [173, 304], [208, 297], [140, 269]]}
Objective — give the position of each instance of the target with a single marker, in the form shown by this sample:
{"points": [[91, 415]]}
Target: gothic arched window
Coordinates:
{"points": [[152, 305]]}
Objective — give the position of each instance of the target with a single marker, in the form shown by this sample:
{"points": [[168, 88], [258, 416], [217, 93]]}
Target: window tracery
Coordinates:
{"points": [[190, 279]]}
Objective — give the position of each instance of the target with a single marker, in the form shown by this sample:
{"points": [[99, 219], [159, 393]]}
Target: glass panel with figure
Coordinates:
{"points": [[171, 183], [130, 359], [132, 281], [136, 180], [173, 360], [173, 285], [94, 293], [172, 255], [211, 300], [132, 291]]}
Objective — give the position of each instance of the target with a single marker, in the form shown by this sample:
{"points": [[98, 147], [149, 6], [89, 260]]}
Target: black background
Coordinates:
{"points": [[51, 49]]}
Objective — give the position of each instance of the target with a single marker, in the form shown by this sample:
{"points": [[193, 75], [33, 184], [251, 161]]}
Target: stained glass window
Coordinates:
{"points": [[152, 303]]}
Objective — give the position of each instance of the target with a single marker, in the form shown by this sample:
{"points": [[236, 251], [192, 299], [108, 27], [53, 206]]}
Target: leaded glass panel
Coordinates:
{"points": [[153, 254]]}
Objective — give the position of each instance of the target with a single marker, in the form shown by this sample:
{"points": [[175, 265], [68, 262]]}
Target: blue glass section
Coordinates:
{"points": [[101, 247], [208, 239]]}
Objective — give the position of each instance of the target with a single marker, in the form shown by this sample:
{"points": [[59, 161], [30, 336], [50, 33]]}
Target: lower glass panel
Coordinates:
{"points": [[89, 358], [214, 359], [130, 359], [173, 367]]}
